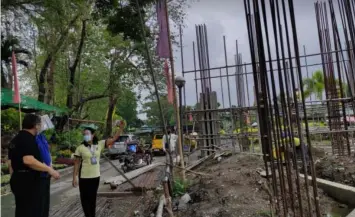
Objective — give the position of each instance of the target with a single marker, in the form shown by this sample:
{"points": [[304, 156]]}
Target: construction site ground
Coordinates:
{"points": [[235, 188], [339, 169]]}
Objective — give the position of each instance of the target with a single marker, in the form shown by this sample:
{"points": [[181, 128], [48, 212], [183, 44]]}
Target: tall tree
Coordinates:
{"points": [[314, 85], [126, 106], [151, 109]]}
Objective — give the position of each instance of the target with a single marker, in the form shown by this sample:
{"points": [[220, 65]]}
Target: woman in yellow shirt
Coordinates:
{"points": [[87, 167]]}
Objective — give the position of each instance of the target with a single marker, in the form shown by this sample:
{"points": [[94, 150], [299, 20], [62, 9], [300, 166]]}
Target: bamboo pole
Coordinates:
{"points": [[174, 93]]}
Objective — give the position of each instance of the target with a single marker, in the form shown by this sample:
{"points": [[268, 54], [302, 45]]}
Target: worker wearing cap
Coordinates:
{"points": [[253, 131]]}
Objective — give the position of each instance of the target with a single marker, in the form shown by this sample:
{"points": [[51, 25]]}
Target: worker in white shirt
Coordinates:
{"points": [[172, 138]]}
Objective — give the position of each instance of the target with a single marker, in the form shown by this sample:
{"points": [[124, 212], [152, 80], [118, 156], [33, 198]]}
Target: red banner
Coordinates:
{"points": [[16, 97], [169, 84]]}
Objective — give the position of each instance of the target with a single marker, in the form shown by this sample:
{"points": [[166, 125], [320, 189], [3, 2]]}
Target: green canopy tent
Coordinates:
{"points": [[27, 104]]}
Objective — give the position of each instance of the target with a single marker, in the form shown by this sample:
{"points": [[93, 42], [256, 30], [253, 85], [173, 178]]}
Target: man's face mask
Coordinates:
{"points": [[39, 128]]}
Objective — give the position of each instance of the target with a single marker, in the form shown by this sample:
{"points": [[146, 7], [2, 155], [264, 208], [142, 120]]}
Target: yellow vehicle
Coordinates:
{"points": [[157, 143]]}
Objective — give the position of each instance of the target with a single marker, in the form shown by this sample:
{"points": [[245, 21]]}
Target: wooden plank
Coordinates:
{"points": [[118, 194], [198, 162], [117, 180]]}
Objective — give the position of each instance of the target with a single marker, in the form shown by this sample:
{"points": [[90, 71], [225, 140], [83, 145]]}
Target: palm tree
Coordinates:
{"points": [[7, 46], [314, 85]]}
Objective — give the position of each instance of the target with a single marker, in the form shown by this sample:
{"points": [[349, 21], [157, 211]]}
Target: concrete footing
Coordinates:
{"points": [[342, 193]]}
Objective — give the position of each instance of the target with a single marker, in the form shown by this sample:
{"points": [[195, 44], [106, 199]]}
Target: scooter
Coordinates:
{"points": [[136, 157]]}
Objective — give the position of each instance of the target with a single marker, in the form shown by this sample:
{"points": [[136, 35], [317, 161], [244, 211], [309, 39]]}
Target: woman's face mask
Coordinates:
{"points": [[87, 138]]}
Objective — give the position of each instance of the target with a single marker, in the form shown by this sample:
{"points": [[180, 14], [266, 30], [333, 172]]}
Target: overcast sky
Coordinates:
{"points": [[227, 18]]}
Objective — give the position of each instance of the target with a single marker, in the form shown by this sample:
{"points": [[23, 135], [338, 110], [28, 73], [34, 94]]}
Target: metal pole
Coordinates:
{"points": [[180, 128], [174, 89], [181, 131]]}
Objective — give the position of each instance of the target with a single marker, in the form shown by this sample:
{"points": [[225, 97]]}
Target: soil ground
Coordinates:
{"points": [[333, 168], [336, 169], [234, 189]]}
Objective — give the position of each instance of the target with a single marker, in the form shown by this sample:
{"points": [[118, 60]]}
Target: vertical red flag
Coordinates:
{"points": [[163, 40], [16, 97], [168, 83], [190, 117]]}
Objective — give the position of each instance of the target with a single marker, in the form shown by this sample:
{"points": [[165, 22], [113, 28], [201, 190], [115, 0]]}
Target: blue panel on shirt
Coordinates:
{"points": [[44, 150]]}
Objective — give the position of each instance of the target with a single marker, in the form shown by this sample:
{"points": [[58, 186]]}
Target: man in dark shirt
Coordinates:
{"points": [[26, 164]]}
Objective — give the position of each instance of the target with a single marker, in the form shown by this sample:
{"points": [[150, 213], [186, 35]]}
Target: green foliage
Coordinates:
{"points": [[5, 179], [10, 122], [179, 187], [124, 18], [151, 108], [314, 85], [69, 139], [4, 169], [48, 134], [264, 213], [127, 107], [113, 58], [64, 153]]}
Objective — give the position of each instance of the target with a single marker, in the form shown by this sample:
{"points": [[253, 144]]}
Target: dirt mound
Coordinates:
{"points": [[234, 188], [337, 169]]}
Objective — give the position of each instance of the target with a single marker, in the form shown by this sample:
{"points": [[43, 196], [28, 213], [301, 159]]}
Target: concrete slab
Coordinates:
{"points": [[341, 193]]}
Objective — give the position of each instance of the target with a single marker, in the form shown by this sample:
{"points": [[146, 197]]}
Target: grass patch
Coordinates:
{"points": [[264, 213]]}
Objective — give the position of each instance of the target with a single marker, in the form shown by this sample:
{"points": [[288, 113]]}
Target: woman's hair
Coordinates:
{"points": [[95, 140]]}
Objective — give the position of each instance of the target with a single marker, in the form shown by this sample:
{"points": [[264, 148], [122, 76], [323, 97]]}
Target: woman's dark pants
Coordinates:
{"points": [[88, 192]]}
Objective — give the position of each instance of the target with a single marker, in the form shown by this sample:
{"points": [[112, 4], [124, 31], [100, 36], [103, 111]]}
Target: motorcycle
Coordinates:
{"points": [[136, 157]]}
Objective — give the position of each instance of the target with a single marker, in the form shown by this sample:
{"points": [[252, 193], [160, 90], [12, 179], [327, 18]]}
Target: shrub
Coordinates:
{"points": [[10, 120], [65, 153], [179, 187], [69, 139], [5, 179], [4, 169]]}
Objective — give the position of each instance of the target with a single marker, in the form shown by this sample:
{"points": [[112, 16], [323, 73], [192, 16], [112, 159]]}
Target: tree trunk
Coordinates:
{"points": [[10, 76], [73, 67], [111, 107], [51, 54], [4, 81], [42, 79], [50, 82]]}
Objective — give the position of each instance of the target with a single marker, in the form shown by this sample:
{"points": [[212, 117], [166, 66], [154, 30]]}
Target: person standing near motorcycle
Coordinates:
{"points": [[87, 167]]}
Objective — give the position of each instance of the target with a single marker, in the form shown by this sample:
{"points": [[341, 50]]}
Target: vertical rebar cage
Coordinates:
{"points": [[271, 91]]}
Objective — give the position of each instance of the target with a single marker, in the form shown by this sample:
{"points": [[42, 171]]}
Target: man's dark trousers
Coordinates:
{"points": [[45, 196]]}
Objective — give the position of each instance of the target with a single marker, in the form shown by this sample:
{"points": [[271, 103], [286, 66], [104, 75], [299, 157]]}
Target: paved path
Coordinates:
{"points": [[62, 190]]}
